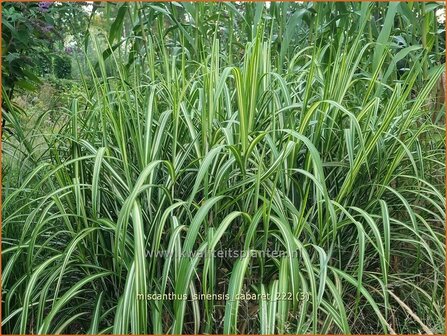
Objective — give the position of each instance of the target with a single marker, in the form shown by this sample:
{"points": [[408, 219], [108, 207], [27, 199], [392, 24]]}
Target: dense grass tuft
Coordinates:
{"points": [[210, 135]]}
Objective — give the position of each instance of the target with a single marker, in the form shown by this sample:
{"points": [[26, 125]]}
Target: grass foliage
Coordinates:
{"points": [[293, 128]]}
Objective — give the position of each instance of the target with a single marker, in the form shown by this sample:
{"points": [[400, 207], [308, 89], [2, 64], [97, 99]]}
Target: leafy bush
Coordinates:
{"points": [[62, 67]]}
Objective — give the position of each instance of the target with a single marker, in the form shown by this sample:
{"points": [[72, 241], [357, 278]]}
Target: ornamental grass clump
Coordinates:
{"points": [[292, 130]]}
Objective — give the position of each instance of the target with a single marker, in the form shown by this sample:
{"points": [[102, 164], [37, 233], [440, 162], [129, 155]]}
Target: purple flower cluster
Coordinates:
{"points": [[69, 50], [44, 6]]}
